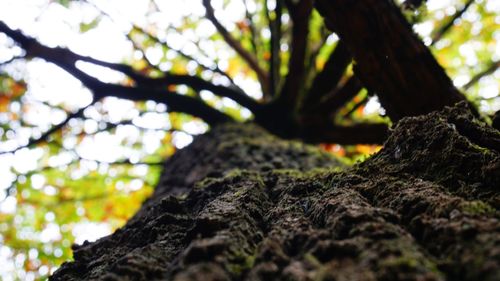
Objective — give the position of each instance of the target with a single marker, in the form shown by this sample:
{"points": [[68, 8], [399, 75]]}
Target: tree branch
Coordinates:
{"points": [[233, 43], [329, 77], [47, 134], [489, 70], [67, 59], [214, 68], [194, 82], [14, 58], [300, 14], [389, 57], [275, 61], [439, 33], [333, 101]]}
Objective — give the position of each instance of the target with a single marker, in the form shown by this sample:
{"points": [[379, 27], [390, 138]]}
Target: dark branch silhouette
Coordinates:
{"points": [[275, 45], [300, 13], [337, 98], [326, 80]]}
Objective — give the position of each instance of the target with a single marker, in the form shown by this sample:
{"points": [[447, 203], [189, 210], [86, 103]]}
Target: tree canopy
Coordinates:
{"points": [[80, 155]]}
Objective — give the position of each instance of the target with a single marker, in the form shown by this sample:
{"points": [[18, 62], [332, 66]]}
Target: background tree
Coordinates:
{"points": [[309, 92]]}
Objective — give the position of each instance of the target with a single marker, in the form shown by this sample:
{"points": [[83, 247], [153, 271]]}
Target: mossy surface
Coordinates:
{"points": [[240, 204]]}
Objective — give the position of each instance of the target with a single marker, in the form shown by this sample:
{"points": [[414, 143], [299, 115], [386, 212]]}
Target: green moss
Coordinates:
{"points": [[312, 260], [316, 173], [234, 173], [479, 148], [403, 261], [411, 263], [209, 181], [477, 207], [240, 267], [288, 173], [323, 172]]}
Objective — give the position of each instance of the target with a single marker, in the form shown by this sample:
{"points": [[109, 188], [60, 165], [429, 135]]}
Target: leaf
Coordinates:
{"points": [[64, 3], [85, 27]]}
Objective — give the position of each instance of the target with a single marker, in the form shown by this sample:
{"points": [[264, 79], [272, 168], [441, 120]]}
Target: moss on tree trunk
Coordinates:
{"points": [[240, 204]]}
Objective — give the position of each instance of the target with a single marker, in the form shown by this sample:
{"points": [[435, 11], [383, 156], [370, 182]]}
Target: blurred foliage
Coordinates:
{"points": [[88, 178]]}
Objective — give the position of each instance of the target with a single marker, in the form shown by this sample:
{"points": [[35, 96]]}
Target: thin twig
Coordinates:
{"points": [[489, 70], [47, 134], [440, 32], [236, 45], [14, 58], [213, 68]]}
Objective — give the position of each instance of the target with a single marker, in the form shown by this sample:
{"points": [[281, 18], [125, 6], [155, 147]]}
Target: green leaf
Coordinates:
{"points": [[84, 27]]}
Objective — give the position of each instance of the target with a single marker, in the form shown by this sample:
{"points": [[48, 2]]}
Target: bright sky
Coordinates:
{"points": [[55, 25]]}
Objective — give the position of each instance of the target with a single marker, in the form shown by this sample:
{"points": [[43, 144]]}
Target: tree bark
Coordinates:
{"points": [[389, 57], [241, 204]]}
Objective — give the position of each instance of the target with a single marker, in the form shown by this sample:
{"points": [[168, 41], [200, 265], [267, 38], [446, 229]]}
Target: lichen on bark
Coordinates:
{"points": [[241, 204]]}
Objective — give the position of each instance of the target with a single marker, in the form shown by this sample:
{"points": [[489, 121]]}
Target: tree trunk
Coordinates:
{"points": [[239, 204]]}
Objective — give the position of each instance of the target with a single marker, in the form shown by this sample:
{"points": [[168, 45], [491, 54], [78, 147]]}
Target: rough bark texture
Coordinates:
{"points": [[240, 204]]}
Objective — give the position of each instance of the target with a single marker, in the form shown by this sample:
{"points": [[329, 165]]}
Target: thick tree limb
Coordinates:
{"points": [[194, 82], [275, 61], [439, 33], [240, 50], [329, 77], [300, 14], [64, 59], [175, 102], [390, 60], [199, 84]]}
